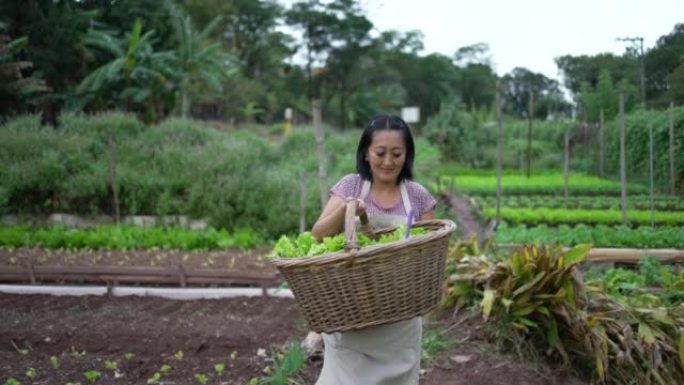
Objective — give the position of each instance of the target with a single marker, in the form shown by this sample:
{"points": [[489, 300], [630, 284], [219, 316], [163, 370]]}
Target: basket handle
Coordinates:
{"points": [[351, 241]]}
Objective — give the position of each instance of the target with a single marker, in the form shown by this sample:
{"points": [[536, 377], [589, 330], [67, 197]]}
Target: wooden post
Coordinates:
{"points": [[31, 272], [182, 275], [112, 177], [302, 202], [672, 151], [566, 167], [601, 147], [623, 166], [650, 169], [499, 154], [529, 133], [320, 148]]}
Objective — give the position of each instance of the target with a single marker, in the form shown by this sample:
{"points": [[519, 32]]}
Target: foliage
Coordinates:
{"points": [[599, 236], [127, 237], [286, 365], [556, 216], [433, 343], [537, 297], [305, 245], [543, 184]]}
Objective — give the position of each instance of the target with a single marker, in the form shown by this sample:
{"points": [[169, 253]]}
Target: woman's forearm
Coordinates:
{"points": [[330, 223]]}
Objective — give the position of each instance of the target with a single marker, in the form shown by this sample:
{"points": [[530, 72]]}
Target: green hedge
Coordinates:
{"points": [[235, 178]]}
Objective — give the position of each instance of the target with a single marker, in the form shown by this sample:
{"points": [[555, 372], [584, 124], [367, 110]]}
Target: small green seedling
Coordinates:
{"points": [[220, 368], [233, 355], [201, 378], [154, 379], [76, 352], [179, 355], [129, 356], [12, 381], [31, 373], [110, 365], [73, 383], [92, 375], [253, 381], [165, 368], [54, 361]]}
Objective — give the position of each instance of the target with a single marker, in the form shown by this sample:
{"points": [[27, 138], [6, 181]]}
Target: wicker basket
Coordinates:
{"points": [[374, 285]]}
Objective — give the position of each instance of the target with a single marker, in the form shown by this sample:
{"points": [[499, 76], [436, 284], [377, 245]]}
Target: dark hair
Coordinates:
{"points": [[379, 123]]}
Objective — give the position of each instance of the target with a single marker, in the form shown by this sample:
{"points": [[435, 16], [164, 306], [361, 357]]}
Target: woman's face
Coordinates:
{"points": [[386, 155]]}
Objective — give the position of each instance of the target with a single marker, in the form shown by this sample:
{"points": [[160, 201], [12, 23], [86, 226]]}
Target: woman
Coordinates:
{"points": [[386, 354]]}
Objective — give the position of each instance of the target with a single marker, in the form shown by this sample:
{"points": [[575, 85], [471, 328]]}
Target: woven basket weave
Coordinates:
{"points": [[374, 285]]}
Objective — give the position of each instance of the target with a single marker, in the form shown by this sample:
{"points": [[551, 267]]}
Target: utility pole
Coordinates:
{"points": [[642, 73]]}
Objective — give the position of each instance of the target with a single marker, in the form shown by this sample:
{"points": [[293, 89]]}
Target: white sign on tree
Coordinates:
{"points": [[410, 114]]}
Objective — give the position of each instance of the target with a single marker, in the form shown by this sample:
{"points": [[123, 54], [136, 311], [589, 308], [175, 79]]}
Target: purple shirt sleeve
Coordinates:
{"points": [[421, 199], [348, 186]]}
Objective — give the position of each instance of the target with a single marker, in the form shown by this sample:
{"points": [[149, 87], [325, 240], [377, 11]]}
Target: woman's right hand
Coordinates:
{"points": [[360, 206]]}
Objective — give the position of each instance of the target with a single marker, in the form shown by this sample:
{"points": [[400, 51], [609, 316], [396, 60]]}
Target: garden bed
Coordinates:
{"points": [[140, 335]]}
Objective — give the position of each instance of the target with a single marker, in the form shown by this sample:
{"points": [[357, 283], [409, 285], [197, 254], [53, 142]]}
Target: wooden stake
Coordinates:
{"points": [[673, 178], [623, 166], [566, 167], [112, 178], [302, 202], [320, 148], [499, 154], [529, 133], [601, 147]]}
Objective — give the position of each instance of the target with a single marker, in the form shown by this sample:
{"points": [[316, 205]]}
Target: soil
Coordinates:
{"points": [[242, 333], [236, 260], [141, 334]]}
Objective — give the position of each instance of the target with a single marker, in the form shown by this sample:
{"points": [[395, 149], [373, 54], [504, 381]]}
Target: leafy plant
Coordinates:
{"points": [[110, 365], [219, 368], [538, 299], [178, 355], [155, 379], [434, 343], [12, 381], [31, 373], [287, 365], [305, 244], [201, 378], [92, 375], [55, 362], [128, 356]]}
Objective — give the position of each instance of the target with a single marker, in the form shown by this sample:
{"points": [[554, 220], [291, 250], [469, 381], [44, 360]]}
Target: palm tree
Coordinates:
{"points": [[137, 77], [203, 65]]}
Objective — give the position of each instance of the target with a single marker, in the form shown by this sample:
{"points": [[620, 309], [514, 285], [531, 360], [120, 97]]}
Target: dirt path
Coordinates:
{"points": [[466, 222]]}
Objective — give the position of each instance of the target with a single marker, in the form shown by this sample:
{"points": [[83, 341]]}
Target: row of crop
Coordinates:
{"points": [[552, 216], [639, 202], [599, 236], [128, 237], [547, 184]]}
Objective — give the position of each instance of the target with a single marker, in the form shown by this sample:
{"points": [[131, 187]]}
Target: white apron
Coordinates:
{"points": [[377, 355]]}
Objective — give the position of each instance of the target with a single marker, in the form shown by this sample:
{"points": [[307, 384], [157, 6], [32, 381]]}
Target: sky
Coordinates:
{"points": [[528, 33]]}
